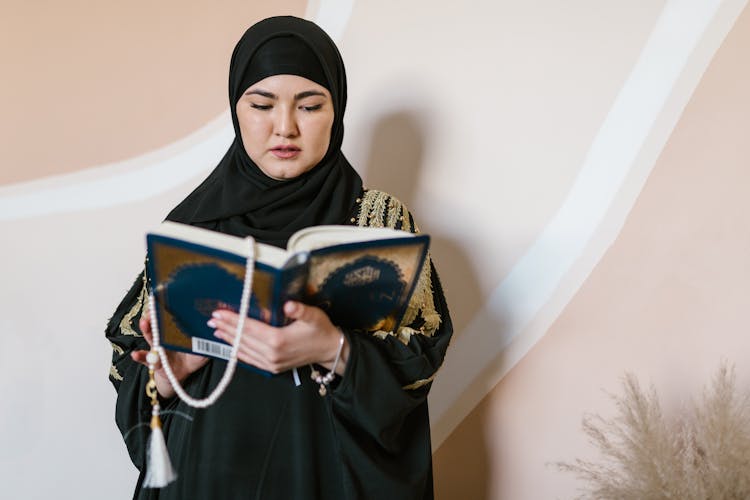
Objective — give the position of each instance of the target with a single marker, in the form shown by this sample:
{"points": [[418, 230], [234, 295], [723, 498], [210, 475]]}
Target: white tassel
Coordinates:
{"points": [[159, 471]]}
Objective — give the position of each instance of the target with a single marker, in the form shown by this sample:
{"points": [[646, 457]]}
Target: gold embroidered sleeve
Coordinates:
{"points": [[378, 209], [126, 325], [123, 332]]}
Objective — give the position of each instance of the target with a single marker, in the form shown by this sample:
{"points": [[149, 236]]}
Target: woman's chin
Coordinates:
{"points": [[285, 172]]}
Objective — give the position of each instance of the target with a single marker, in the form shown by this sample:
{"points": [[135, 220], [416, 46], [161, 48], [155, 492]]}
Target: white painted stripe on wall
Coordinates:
{"points": [[147, 175], [122, 182], [536, 276]]}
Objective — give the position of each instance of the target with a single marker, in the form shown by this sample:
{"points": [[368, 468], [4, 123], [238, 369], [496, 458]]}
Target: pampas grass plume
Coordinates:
{"points": [[645, 456]]}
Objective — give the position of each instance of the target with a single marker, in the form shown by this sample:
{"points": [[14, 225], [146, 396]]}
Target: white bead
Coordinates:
{"points": [[152, 358]]}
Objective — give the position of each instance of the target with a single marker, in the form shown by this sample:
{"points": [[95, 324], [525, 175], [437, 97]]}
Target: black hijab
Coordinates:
{"points": [[237, 197]]}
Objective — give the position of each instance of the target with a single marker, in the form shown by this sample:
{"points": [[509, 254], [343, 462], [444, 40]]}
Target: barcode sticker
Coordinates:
{"points": [[211, 348]]}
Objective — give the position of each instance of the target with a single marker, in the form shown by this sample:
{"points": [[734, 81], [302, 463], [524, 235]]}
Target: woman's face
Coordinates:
{"points": [[285, 122]]}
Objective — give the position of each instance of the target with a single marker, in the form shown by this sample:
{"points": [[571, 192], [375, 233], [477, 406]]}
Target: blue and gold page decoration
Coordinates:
{"points": [[366, 287], [376, 283]]}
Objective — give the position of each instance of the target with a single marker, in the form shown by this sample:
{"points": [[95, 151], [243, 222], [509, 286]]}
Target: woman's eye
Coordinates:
{"points": [[314, 107], [262, 107]]}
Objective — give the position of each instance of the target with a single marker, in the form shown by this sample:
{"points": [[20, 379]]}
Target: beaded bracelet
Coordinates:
{"points": [[326, 379]]}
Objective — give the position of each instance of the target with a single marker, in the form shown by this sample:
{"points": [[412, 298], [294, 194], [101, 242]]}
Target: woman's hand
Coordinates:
{"points": [[310, 338], [182, 364]]}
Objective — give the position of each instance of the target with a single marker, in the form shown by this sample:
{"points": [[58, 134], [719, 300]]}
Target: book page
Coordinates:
{"points": [[312, 238], [267, 254]]}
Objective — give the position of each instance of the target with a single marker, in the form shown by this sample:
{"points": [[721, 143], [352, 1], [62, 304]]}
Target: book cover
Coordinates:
{"points": [[361, 285]]}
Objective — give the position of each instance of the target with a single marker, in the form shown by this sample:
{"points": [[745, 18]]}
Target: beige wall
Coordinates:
{"points": [[667, 302], [485, 117], [85, 86]]}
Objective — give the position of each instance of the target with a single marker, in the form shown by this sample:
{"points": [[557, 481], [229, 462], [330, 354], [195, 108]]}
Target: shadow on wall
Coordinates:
{"points": [[395, 164], [466, 472], [395, 160], [468, 464]]}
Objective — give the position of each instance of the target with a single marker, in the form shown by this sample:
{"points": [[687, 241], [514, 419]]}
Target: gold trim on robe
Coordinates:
{"points": [[126, 323], [379, 209]]}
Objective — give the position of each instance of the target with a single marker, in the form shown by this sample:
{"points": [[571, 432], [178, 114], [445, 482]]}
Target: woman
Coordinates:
{"points": [[368, 436]]}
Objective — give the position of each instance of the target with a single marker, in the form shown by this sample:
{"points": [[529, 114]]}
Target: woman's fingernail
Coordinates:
{"points": [[211, 323], [216, 314], [217, 333]]}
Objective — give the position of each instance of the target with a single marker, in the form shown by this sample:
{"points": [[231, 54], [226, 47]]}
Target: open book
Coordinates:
{"points": [[361, 277]]}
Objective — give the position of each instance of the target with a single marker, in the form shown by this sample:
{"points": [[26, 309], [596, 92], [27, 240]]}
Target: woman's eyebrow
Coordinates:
{"points": [[297, 97], [308, 93], [262, 93]]}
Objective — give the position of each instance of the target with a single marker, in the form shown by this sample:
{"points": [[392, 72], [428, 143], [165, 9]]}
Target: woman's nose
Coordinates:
{"points": [[286, 123]]}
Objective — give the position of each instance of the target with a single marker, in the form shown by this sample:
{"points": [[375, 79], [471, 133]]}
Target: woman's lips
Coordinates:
{"points": [[285, 152]]}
